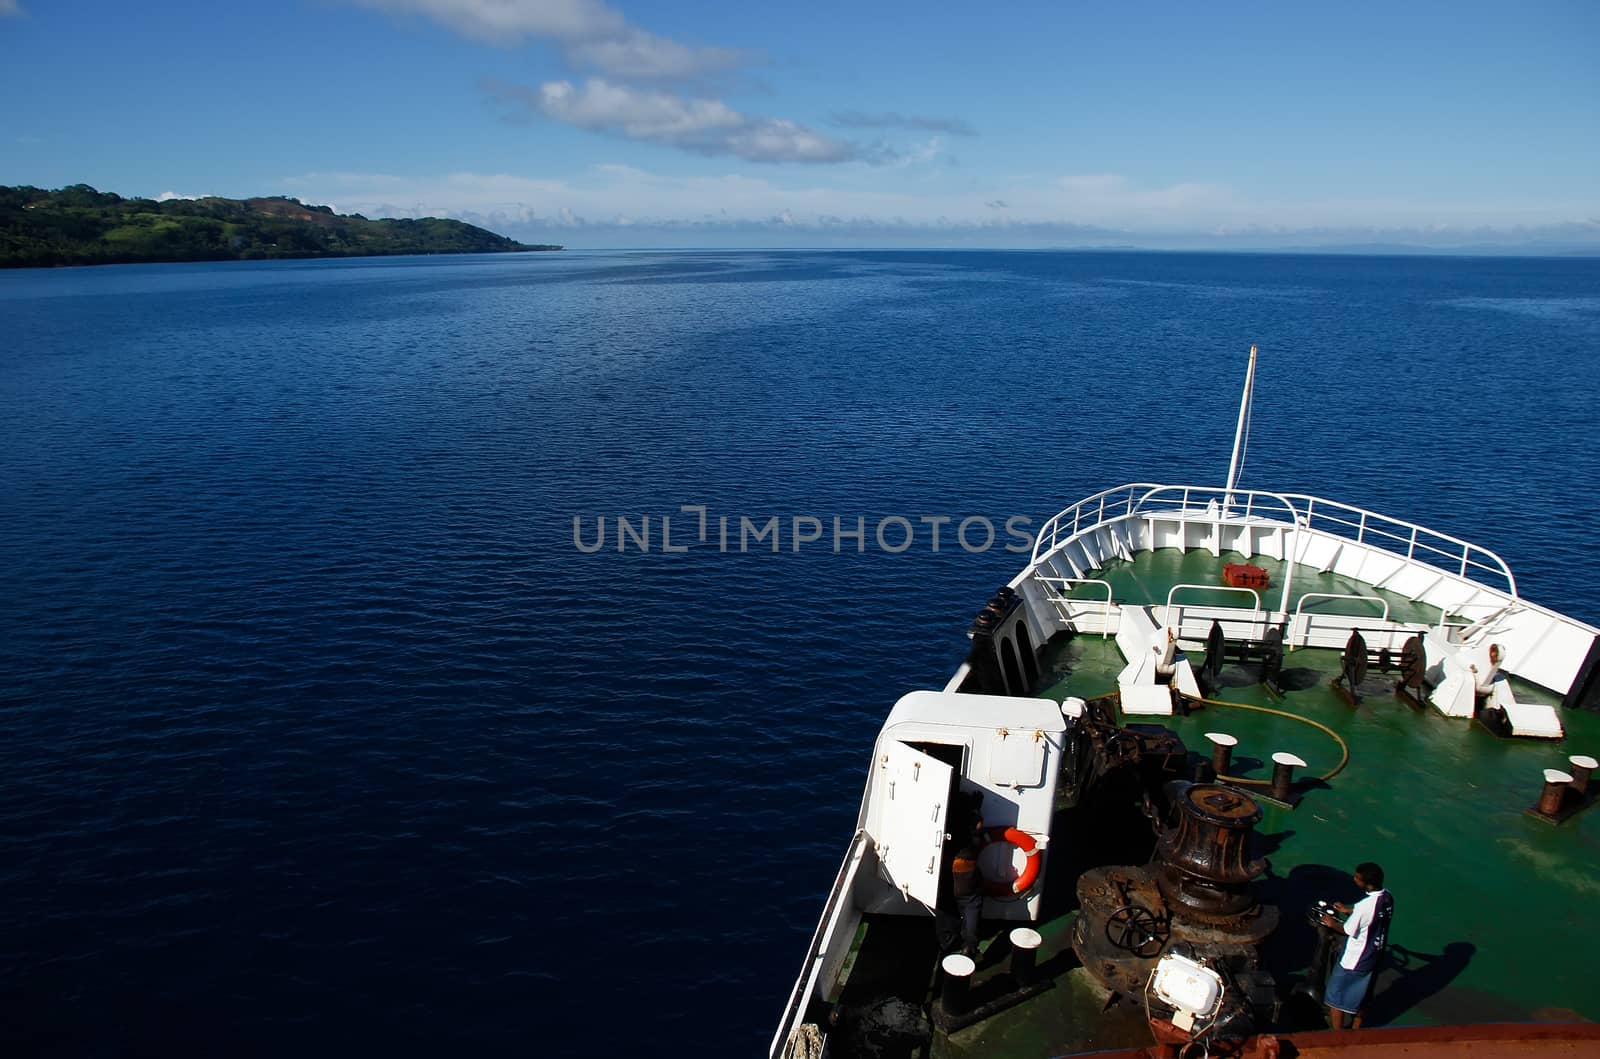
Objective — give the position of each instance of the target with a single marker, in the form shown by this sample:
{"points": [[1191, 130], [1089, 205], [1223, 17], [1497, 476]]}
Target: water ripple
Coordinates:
{"points": [[320, 735]]}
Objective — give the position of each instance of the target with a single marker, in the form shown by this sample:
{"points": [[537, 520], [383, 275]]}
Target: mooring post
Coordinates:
{"points": [[1222, 745], [1025, 942], [1283, 766], [958, 970], [1582, 765], [1555, 788]]}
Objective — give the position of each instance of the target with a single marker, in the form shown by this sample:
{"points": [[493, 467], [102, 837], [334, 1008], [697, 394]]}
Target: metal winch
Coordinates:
{"points": [[1196, 897]]}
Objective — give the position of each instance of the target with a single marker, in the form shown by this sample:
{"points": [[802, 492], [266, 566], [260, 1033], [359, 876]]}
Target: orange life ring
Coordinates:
{"points": [[1030, 868]]}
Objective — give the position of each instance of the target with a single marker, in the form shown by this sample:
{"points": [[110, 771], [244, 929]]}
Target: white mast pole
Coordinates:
{"points": [[1238, 435]]}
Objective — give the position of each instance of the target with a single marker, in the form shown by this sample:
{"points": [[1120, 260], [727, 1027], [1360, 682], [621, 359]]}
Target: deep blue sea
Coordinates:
{"points": [[319, 734]]}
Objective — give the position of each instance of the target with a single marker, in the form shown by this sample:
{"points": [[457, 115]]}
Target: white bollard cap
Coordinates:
{"points": [[1283, 757], [1073, 706], [1584, 761], [1026, 938], [958, 966], [1556, 776], [1222, 739]]}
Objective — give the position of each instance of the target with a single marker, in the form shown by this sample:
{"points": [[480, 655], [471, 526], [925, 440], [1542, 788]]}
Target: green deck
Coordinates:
{"points": [[1151, 575], [1497, 914]]}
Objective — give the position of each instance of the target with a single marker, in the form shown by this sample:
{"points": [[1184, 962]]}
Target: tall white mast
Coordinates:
{"points": [[1238, 435]]}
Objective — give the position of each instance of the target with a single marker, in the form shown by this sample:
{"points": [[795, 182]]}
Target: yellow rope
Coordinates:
{"points": [[1344, 748]]}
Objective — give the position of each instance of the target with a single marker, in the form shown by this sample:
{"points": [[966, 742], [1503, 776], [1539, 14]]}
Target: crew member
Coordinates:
{"points": [[966, 884], [1366, 929], [968, 889], [1483, 683]]}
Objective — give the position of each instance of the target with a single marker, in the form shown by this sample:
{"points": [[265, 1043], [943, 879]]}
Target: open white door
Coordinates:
{"points": [[910, 824]]}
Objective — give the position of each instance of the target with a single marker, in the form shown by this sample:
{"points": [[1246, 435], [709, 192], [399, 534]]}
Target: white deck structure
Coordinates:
{"points": [[1009, 752], [1473, 589]]}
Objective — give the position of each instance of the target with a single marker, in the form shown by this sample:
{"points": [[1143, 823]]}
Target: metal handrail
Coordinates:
{"points": [[1488, 619], [1256, 615], [1105, 623], [1300, 604], [1467, 560], [1415, 537], [1133, 497]]}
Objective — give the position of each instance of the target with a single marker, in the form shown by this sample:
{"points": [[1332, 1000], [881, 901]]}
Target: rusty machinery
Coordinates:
{"points": [[1194, 899], [1411, 663], [1143, 755], [1266, 652]]}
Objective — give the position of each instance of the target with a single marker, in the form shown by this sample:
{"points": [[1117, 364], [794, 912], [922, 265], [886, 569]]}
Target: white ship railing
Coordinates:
{"points": [[1063, 603], [817, 954], [1300, 607], [1423, 545], [1196, 502], [1304, 629], [1173, 615]]}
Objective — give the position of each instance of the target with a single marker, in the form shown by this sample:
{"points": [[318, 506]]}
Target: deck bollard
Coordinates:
{"points": [[1025, 942], [1222, 745], [957, 976], [1582, 765], [1283, 766], [1555, 788]]}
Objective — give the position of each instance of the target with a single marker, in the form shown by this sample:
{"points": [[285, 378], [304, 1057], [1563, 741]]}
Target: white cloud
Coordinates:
{"points": [[590, 33], [877, 207], [918, 155], [704, 126], [648, 115], [595, 36], [510, 21], [855, 119], [636, 53], [1114, 199], [601, 191]]}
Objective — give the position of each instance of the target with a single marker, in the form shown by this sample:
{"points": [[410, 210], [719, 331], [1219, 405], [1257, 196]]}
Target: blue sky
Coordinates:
{"points": [[648, 123]]}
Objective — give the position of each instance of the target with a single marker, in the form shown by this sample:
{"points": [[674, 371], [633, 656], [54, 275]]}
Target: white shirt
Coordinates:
{"points": [[1368, 931]]}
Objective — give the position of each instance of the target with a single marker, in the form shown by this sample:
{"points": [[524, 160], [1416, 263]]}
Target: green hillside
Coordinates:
{"points": [[78, 225]]}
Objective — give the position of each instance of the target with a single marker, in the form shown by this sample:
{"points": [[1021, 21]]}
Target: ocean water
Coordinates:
{"points": [[324, 731]]}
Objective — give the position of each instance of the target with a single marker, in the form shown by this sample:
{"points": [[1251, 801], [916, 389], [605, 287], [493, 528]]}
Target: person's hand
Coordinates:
{"points": [[1329, 921], [1342, 907]]}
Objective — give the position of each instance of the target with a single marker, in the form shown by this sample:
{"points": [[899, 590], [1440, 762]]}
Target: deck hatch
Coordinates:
{"points": [[1016, 758]]}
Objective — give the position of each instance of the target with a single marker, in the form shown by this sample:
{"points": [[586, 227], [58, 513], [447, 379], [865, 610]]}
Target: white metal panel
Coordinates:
{"points": [[910, 829], [1152, 700], [1453, 686], [1016, 758], [1136, 633], [1183, 679], [965, 711], [1532, 719]]}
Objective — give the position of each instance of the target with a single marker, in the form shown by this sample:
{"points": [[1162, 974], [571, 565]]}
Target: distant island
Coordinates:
{"points": [[78, 225]]}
